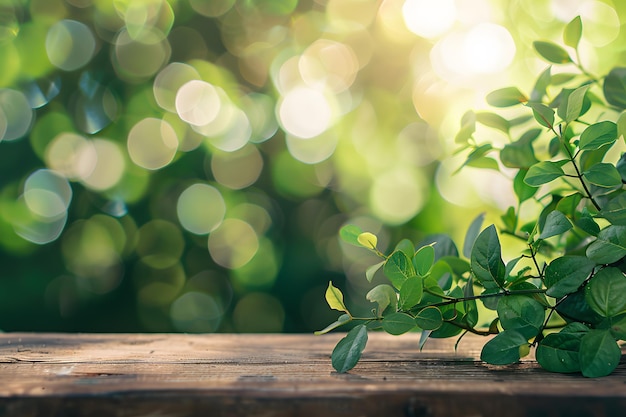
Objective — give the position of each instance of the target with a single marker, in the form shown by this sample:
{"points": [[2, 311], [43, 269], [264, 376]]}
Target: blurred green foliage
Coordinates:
{"points": [[186, 165]]}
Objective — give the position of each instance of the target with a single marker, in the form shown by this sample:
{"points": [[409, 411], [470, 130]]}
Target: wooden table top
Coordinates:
{"points": [[281, 375]]}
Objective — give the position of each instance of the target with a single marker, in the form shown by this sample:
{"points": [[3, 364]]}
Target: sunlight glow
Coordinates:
{"points": [[428, 18]]}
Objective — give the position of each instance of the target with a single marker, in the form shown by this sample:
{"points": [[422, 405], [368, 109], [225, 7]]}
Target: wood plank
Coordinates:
{"points": [[281, 375]]}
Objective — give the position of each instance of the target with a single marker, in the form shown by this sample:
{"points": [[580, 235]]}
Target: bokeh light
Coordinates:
{"points": [[200, 208], [70, 45]]}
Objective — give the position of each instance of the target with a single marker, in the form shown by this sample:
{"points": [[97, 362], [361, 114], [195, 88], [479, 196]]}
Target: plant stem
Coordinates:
{"points": [[452, 300]]}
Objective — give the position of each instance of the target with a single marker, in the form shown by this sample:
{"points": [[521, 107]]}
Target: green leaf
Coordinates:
{"points": [[574, 307], [615, 210], [552, 52], [558, 352], [384, 295], [348, 351], [367, 240], [575, 103], [506, 97], [503, 349], [618, 327], [606, 292], [615, 87], [609, 247], [539, 90], [411, 293], [398, 323], [521, 313], [599, 354], [468, 127], [543, 114], [568, 205], [556, 224], [572, 32], [518, 155], [603, 175], [471, 310], [334, 298], [486, 261], [621, 125], [398, 268], [493, 120], [429, 318], [477, 158], [509, 219], [343, 319], [423, 260], [350, 234], [406, 246], [522, 190], [587, 224], [371, 271], [472, 234], [598, 135], [543, 172], [566, 274]]}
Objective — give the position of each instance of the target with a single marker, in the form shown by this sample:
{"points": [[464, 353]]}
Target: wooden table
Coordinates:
{"points": [[171, 375]]}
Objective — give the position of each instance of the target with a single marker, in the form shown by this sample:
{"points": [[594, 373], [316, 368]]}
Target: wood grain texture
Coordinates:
{"points": [[165, 375]]}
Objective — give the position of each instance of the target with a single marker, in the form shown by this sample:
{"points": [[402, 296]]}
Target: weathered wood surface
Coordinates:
{"points": [[163, 375]]}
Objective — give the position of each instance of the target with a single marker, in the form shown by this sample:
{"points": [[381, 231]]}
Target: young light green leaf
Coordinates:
{"points": [[598, 135], [603, 175], [572, 32], [558, 352], [423, 260], [556, 224], [411, 292], [398, 323], [506, 97], [615, 210], [493, 120], [575, 103], [599, 353], [367, 240], [476, 156], [543, 173], [429, 318], [348, 351], [371, 271], [605, 292], [486, 261], [504, 348], [552, 52], [384, 295], [539, 90], [472, 234], [543, 114], [566, 274], [521, 313], [343, 319], [350, 234], [334, 298], [615, 87], [398, 268], [468, 127], [621, 125], [609, 247]]}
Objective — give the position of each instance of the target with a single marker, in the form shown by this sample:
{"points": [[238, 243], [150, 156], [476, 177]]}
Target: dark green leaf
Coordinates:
{"points": [[348, 351], [597, 135], [603, 175], [509, 219], [521, 313], [343, 319], [493, 120], [587, 224], [503, 349], [543, 114], [556, 224], [398, 323], [543, 172], [423, 260], [568, 205], [599, 353], [471, 310], [552, 52], [443, 244], [472, 233], [558, 352], [575, 104], [566, 274], [615, 210], [429, 318], [398, 268], [572, 32], [486, 261], [618, 327], [350, 234], [522, 190], [575, 307], [609, 247], [615, 87], [411, 292], [506, 97], [371, 271], [606, 292], [384, 295]]}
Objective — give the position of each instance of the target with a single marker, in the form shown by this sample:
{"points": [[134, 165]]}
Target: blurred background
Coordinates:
{"points": [[185, 165]]}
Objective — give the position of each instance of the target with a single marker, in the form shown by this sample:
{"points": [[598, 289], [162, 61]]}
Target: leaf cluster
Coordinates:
{"points": [[565, 294]]}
